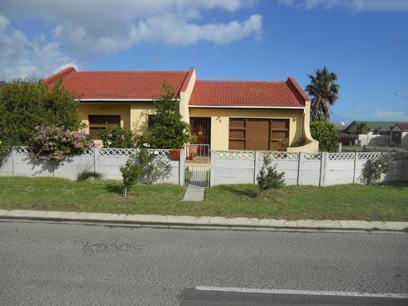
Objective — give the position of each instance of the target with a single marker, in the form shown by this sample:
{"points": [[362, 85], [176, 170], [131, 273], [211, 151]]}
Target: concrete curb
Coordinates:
{"points": [[201, 222]]}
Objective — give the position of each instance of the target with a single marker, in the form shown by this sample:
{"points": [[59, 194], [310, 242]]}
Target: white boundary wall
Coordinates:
{"points": [[374, 140], [322, 169], [105, 161]]}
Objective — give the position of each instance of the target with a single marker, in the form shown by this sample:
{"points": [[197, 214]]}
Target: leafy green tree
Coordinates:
{"points": [[169, 131], [27, 104], [324, 90], [325, 132]]}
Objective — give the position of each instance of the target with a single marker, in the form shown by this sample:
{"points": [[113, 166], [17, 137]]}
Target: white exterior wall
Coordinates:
{"points": [[374, 140], [404, 139]]}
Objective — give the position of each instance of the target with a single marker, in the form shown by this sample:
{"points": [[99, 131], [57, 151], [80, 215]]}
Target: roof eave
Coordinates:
{"points": [[247, 106], [115, 100]]}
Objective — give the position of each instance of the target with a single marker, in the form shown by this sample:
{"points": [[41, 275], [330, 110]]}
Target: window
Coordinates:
{"points": [[151, 121], [99, 123]]}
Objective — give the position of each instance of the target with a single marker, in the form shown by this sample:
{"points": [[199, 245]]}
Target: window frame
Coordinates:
{"points": [[96, 128]]}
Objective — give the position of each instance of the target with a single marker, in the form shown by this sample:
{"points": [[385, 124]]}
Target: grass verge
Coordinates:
{"points": [[353, 202]]}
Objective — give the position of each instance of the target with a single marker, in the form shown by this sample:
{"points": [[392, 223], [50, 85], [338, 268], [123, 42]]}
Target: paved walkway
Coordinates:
{"points": [[198, 181], [202, 222], [194, 193]]}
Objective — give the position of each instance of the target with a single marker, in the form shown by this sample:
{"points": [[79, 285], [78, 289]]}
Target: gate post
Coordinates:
{"points": [[256, 158], [96, 159], [182, 166], [13, 160], [300, 168], [213, 155], [323, 169], [354, 167]]}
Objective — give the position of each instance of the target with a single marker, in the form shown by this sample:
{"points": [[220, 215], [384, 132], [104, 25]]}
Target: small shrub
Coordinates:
{"points": [[55, 143], [86, 175], [118, 138], [373, 169], [269, 177], [4, 150], [325, 132], [145, 167], [4, 147]]}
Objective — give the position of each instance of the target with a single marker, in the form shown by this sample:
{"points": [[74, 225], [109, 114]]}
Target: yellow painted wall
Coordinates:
{"points": [[135, 116], [185, 97], [139, 113], [132, 116], [220, 122], [121, 109]]}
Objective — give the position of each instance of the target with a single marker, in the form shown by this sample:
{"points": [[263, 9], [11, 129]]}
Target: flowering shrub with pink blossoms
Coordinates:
{"points": [[56, 143]]}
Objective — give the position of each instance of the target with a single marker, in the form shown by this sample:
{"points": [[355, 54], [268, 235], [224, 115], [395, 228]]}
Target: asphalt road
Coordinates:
{"points": [[50, 264]]}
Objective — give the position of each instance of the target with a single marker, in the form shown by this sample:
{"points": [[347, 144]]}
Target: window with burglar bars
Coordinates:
{"points": [[99, 123]]}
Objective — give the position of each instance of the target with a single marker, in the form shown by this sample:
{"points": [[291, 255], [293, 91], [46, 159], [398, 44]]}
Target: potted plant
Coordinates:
{"points": [[193, 150], [175, 154]]}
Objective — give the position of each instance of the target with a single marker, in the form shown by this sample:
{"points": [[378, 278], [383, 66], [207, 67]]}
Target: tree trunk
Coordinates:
{"points": [[125, 191]]}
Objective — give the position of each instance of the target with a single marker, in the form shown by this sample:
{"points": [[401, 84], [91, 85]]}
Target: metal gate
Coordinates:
{"points": [[198, 165]]}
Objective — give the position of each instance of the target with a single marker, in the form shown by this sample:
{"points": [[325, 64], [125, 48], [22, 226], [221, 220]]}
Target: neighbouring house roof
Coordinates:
{"points": [[372, 126], [118, 84], [248, 94], [378, 125], [403, 126]]}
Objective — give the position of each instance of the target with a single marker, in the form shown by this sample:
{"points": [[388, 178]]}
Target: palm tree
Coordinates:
{"points": [[363, 128], [324, 90]]}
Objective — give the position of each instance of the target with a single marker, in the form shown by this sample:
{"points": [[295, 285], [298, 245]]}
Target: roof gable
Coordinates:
{"points": [[403, 126]]}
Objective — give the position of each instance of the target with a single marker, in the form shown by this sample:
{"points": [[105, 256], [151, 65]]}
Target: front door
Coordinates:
{"points": [[201, 130]]}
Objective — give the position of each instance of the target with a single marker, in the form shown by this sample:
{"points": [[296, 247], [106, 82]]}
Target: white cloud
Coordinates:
{"points": [[110, 25], [391, 115], [21, 57], [354, 5]]}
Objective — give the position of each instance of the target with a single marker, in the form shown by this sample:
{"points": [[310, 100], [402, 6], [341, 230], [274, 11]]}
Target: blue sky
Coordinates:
{"points": [[364, 41]]}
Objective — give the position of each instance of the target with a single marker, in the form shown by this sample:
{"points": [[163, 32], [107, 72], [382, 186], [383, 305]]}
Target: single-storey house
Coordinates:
{"points": [[227, 115], [374, 127], [399, 134]]}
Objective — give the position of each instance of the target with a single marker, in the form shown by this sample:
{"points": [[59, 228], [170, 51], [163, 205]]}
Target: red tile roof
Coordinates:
{"points": [[148, 85], [251, 94], [403, 126], [117, 84]]}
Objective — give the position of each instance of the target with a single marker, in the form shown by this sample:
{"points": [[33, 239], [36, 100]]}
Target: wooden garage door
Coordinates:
{"points": [[258, 134]]}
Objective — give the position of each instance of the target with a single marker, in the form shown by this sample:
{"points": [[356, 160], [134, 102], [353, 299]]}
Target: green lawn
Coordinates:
{"points": [[356, 202]]}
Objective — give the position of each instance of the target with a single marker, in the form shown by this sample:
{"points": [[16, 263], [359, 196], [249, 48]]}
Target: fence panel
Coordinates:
{"points": [[71, 168], [242, 167], [104, 161], [232, 167], [310, 168], [284, 162], [339, 168], [227, 167]]}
